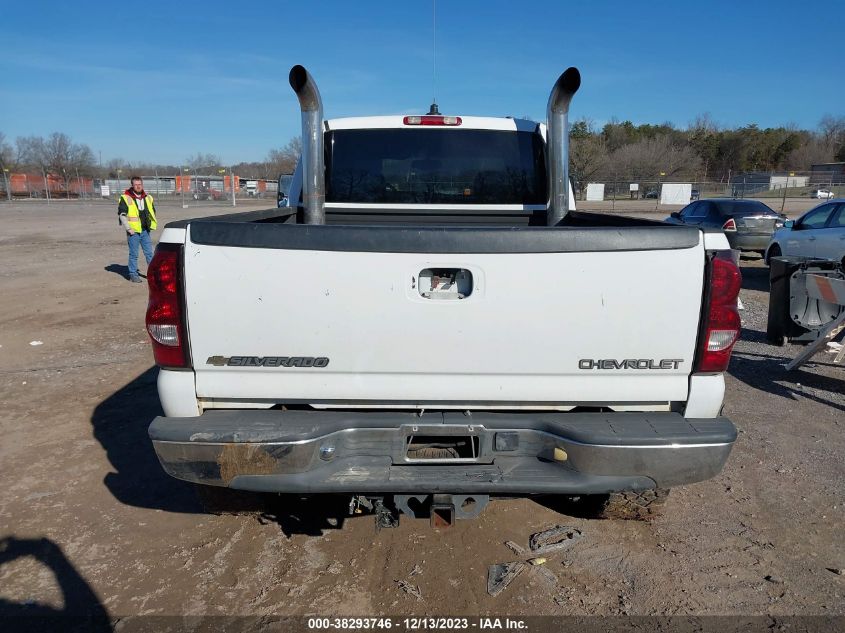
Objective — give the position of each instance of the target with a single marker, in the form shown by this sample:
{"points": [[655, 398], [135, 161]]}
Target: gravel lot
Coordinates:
{"points": [[86, 512]]}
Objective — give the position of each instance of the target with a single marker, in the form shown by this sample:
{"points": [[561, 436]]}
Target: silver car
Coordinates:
{"points": [[748, 224], [818, 234]]}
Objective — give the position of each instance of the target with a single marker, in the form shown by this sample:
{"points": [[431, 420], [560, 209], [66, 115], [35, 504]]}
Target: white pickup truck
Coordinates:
{"points": [[431, 323]]}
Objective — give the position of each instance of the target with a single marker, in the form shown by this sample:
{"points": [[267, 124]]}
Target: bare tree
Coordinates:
{"points": [[587, 153], [703, 136], [57, 154], [254, 170], [704, 122], [832, 129], [204, 161], [117, 167], [57, 150], [29, 151], [833, 132], [63, 157], [283, 161], [7, 154], [82, 158], [648, 157], [815, 150]]}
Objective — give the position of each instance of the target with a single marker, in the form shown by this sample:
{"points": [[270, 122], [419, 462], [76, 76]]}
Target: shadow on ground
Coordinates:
{"points": [[768, 374], [755, 278], [120, 269], [310, 516], [120, 424], [581, 507], [753, 336], [81, 610]]}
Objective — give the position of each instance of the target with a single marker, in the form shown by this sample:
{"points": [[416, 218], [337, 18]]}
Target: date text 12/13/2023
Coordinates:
{"points": [[416, 624]]}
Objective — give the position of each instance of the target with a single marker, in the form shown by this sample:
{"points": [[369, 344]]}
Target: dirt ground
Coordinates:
{"points": [[90, 523]]}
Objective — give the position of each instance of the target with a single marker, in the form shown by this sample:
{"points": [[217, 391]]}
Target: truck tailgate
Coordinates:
{"points": [[543, 307]]}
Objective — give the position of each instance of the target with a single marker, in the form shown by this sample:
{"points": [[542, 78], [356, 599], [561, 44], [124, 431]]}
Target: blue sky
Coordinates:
{"points": [[159, 81]]}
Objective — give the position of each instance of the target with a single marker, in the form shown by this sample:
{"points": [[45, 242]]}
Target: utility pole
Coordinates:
{"points": [[182, 172], [613, 204], [657, 197], [46, 184], [8, 188], [783, 200], [232, 183]]}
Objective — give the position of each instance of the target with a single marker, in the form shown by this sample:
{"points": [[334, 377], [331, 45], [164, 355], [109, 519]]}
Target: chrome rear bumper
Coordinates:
{"points": [[367, 452]]}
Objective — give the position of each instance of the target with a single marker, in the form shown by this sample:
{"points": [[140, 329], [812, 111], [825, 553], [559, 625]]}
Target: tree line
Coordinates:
{"points": [[58, 155], [618, 151], [704, 151]]}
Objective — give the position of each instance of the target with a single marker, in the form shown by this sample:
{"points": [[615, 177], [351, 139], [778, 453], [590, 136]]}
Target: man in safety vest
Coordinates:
{"points": [[137, 215]]}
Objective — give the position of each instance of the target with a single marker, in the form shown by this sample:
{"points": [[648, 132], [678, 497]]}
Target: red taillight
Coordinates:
{"points": [[164, 310], [428, 119], [730, 225], [722, 325], [725, 280]]}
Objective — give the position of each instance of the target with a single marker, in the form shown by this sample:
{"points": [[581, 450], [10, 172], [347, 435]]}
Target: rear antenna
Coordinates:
{"points": [[434, 109]]}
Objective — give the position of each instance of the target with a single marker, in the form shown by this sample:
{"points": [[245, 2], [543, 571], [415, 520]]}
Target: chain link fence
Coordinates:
{"points": [[188, 187], [33, 185], [204, 185], [764, 186]]}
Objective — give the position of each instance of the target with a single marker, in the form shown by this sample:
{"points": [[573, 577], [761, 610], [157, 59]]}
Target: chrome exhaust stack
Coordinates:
{"points": [[313, 165], [557, 140]]}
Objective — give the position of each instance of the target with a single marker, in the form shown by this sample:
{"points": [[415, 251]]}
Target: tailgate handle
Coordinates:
{"points": [[444, 283]]}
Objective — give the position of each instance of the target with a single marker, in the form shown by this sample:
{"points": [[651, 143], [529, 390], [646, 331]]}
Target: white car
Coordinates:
{"points": [[822, 194], [819, 233]]}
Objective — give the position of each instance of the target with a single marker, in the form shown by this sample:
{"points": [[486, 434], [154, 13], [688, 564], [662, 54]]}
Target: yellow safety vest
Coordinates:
{"points": [[133, 215]]}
